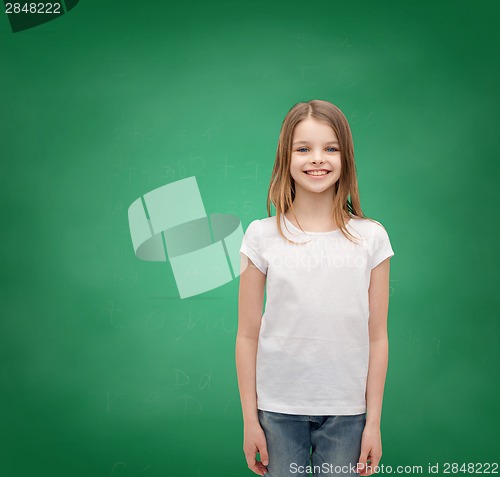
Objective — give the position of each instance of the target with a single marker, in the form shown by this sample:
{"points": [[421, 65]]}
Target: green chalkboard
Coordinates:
{"points": [[106, 371]]}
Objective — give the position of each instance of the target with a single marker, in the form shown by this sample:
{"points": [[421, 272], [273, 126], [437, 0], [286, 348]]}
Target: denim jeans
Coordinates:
{"points": [[322, 445]]}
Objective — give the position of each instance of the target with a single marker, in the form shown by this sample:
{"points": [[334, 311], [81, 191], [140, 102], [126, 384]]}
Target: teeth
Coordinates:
{"points": [[321, 173]]}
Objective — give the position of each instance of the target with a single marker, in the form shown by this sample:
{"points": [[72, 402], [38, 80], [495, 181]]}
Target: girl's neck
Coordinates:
{"points": [[313, 215]]}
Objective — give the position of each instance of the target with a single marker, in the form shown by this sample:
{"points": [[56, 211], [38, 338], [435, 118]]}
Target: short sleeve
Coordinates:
{"points": [[380, 247], [251, 246]]}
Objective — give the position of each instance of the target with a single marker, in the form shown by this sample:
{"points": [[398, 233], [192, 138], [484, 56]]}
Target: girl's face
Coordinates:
{"points": [[315, 148]]}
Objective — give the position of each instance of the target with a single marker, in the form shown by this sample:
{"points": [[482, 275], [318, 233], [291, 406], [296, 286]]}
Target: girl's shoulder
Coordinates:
{"points": [[366, 226], [369, 227], [366, 222]]}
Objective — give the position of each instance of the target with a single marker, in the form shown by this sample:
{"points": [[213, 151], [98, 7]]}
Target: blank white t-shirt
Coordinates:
{"points": [[313, 347]]}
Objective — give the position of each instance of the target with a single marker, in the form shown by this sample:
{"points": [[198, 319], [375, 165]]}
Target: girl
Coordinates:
{"points": [[312, 368]]}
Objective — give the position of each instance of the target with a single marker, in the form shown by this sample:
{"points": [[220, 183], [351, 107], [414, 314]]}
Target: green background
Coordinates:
{"points": [[104, 370]]}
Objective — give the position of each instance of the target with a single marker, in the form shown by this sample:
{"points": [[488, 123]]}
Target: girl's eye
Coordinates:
{"points": [[302, 148]]}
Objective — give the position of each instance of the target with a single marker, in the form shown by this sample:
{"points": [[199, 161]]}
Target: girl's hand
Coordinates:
{"points": [[371, 450], [255, 441]]}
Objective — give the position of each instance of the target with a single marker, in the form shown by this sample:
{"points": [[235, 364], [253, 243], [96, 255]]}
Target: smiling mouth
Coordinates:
{"points": [[320, 173]]}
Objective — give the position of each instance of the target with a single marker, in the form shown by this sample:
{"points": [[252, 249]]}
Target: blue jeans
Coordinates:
{"points": [[323, 445]]}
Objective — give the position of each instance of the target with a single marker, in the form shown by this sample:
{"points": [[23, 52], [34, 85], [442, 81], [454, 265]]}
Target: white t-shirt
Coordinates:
{"points": [[313, 346]]}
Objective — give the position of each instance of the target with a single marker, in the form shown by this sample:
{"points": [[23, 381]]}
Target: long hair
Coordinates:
{"points": [[282, 185]]}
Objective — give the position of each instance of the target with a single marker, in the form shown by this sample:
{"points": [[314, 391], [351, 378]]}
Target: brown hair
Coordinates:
{"points": [[282, 186]]}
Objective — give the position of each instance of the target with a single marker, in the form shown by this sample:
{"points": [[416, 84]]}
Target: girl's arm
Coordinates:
{"points": [[250, 301], [379, 344], [371, 444]]}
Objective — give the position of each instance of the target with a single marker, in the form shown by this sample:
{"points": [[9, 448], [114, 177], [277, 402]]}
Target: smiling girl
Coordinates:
{"points": [[312, 367]]}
